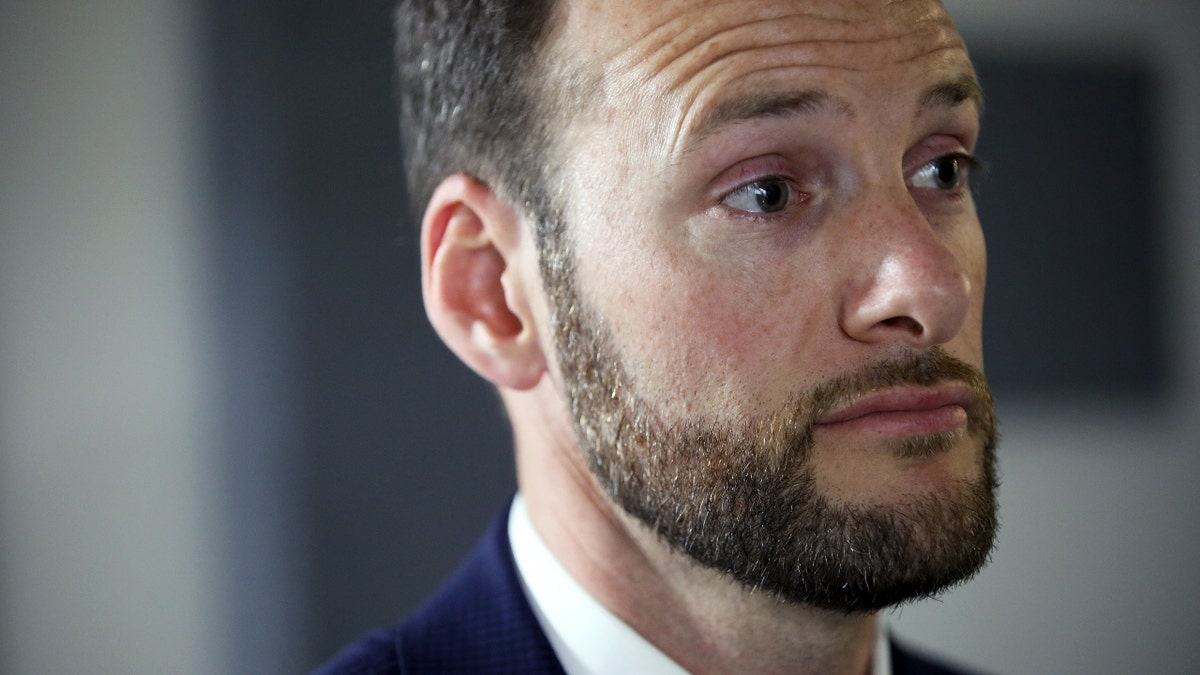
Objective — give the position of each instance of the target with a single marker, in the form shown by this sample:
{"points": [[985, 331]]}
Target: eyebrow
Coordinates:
{"points": [[953, 93], [947, 94], [759, 106]]}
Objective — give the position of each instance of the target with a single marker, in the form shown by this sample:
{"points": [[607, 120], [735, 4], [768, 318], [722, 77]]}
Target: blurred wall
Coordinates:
{"points": [[229, 442], [110, 555], [1095, 566]]}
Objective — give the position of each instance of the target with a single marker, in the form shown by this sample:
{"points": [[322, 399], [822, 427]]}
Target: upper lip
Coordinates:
{"points": [[902, 399]]}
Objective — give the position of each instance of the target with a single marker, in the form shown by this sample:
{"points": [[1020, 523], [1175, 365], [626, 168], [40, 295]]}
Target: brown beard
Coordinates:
{"points": [[744, 500]]}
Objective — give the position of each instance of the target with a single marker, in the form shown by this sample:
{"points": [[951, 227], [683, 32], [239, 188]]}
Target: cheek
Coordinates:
{"points": [[972, 252], [721, 335], [719, 339]]}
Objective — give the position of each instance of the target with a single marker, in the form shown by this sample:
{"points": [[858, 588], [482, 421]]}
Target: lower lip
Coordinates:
{"points": [[905, 422]]}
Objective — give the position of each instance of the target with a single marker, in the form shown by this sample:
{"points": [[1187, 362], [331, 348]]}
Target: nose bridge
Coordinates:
{"points": [[907, 285]]}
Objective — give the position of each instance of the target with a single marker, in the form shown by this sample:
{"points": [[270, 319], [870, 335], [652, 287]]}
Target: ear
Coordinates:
{"points": [[477, 264]]}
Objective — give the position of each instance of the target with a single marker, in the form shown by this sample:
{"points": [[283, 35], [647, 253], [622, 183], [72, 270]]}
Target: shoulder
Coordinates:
{"points": [[375, 653], [909, 661], [478, 621]]}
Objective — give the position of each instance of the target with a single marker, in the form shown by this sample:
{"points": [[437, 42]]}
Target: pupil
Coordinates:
{"points": [[771, 196], [947, 172]]}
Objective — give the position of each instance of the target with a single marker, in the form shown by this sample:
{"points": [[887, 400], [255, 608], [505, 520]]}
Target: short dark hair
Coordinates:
{"points": [[469, 95]]}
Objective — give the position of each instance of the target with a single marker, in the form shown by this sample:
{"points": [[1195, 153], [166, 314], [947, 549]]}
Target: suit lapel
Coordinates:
{"points": [[479, 621]]}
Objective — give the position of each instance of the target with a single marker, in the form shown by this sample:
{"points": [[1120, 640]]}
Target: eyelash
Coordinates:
{"points": [[968, 165], [791, 197]]}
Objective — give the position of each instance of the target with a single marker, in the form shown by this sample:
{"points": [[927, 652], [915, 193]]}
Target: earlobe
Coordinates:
{"points": [[476, 295]]}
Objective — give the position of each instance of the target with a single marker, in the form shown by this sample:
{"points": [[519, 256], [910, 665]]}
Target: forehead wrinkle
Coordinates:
{"points": [[662, 59], [668, 47], [923, 40], [737, 106], [657, 37], [653, 50]]}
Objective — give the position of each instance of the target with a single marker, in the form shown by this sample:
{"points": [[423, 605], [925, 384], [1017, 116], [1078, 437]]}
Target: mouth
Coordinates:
{"points": [[904, 411]]}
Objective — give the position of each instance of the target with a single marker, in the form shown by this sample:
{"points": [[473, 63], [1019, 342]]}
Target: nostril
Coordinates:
{"points": [[904, 323]]}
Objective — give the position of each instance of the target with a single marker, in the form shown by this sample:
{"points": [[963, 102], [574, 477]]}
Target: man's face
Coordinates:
{"points": [[768, 294]]}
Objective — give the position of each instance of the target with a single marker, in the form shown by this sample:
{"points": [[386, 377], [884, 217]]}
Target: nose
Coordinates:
{"points": [[906, 285]]}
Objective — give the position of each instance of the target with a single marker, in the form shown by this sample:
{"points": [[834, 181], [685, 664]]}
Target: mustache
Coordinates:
{"points": [[922, 369], [793, 426]]}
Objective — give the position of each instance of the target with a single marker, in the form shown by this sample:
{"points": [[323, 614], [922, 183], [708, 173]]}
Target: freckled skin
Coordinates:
{"points": [[718, 318], [713, 320]]}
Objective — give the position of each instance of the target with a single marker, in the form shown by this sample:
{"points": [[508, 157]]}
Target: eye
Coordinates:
{"points": [[767, 195], [944, 173]]}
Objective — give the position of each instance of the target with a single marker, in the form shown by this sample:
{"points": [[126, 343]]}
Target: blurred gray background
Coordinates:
{"points": [[229, 441]]}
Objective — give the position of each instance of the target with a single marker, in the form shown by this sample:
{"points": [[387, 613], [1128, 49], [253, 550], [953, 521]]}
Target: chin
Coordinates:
{"points": [[897, 470]]}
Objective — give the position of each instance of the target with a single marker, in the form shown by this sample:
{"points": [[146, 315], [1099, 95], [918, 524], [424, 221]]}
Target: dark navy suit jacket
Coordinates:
{"points": [[480, 622]]}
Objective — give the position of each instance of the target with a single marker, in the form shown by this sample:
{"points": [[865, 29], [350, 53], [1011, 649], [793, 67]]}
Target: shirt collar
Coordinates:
{"points": [[587, 638]]}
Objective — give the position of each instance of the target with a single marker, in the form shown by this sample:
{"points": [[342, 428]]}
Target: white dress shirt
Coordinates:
{"points": [[587, 638]]}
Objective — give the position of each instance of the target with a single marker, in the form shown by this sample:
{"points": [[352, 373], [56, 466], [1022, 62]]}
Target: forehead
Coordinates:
{"points": [[654, 33], [696, 54]]}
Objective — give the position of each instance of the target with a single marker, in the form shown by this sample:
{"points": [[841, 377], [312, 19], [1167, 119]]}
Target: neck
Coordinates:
{"points": [[697, 616]]}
